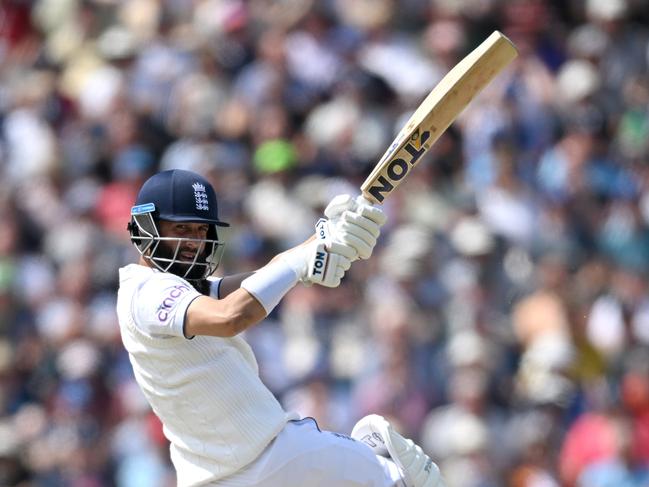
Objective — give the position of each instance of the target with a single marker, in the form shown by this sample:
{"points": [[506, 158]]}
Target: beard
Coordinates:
{"points": [[191, 271]]}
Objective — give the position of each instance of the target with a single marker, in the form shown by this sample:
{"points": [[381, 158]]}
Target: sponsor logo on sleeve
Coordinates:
{"points": [[170, 300]]}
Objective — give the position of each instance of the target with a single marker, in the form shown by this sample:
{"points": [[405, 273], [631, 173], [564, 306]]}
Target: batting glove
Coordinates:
{"points": [[318, 262], [353, 222]]}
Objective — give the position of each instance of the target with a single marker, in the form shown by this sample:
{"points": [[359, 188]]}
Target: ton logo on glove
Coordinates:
{"points": [[319, 262]]}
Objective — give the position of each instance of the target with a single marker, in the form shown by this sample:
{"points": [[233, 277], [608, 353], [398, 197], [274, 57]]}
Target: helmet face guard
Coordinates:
{"points": [[163, 253]]}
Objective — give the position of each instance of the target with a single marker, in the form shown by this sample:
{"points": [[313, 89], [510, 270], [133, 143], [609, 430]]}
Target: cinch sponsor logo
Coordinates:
{"points": [[398, 168], [170, 300]]}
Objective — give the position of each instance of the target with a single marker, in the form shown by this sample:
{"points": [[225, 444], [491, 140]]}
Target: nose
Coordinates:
{"points": [[194, 245], [197, 234]]}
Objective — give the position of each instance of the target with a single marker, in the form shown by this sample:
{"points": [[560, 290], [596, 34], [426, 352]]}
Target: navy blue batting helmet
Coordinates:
{"points": [[179, 196]]}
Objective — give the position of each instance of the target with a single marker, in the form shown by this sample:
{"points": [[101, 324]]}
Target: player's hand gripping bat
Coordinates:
{"points": [[438, 110]]}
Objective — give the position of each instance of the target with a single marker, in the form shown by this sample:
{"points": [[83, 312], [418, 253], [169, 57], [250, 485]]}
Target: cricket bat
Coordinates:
{"points": [[438, 110]]}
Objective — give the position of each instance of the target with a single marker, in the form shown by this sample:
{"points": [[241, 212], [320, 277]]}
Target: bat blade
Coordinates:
{"points": [[436, 113]]}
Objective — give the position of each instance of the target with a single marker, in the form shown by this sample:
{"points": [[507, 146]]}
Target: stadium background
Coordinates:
{"points": [[503, 320]]}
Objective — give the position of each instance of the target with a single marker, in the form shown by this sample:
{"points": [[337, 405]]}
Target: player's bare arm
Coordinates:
{"points": [[225, 317], [259, 292]]}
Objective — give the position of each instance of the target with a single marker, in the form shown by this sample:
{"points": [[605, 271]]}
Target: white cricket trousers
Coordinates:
{"points": [[303, 456]]}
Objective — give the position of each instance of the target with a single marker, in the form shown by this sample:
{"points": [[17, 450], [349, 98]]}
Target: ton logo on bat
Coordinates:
{"points": [[398, 168]]}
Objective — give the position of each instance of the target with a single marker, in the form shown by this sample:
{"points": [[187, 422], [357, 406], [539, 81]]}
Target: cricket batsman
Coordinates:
{"points": [[182, 330]]}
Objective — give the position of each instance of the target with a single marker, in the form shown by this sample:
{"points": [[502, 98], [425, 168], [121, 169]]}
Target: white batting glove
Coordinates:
{"points": [[353, 222], [321, 263]]}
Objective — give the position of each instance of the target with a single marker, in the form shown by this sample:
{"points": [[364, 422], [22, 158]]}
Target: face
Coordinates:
{"points": [[186, 249]]}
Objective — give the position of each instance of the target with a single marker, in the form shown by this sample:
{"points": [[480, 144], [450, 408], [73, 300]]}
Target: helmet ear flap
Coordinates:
{"points": [[131, 227], [143, 231]]}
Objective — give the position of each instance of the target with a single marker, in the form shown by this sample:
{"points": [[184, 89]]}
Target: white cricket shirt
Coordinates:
{"points": [[215, 410]]}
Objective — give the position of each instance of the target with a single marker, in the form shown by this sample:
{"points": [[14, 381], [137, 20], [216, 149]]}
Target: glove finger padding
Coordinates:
{"points": [[338, 205], [361, 247], [343, 251], [344, 202], [373, 213], [353, 222], [354, 219], [359, 232], [327, 230]]}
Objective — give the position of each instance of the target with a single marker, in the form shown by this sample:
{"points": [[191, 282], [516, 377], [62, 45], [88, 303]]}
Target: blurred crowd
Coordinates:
{"points": [[503, 320]]}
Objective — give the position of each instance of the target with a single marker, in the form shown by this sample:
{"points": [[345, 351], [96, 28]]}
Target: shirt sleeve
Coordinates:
{"points": [[161, 304], [215, 287]]}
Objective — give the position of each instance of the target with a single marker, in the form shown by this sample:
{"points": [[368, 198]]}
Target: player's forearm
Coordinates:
{"points": [[232, 283], [261, 291], [225, 317]]}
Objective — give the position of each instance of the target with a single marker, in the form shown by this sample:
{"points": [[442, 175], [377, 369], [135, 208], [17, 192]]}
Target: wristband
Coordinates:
{"points": [[270, 283]]}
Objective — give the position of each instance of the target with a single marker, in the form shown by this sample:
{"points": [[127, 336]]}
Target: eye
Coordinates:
{"points": [[181, 229]]}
